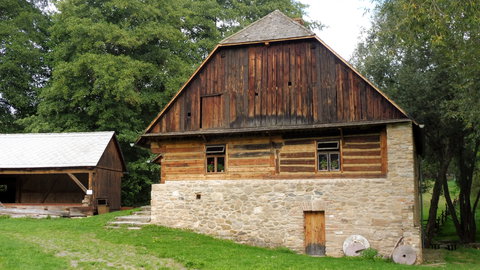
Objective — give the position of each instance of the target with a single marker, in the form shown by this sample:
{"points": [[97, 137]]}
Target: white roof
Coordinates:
{"points": [[45, 150]]}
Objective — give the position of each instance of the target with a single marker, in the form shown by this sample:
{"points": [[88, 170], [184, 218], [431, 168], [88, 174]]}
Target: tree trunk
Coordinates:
{"points": [[451, 209], [466, 225], [432, 213], [444, 163]]}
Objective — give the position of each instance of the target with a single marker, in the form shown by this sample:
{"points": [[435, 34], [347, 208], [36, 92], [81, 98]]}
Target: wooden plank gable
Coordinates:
{"points": [[286, 83]]}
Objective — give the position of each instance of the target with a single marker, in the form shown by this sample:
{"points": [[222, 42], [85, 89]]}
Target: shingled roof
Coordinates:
{"points": [[47, 150], [275, 25]]}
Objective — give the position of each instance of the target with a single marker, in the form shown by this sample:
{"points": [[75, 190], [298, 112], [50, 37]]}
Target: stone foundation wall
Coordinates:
{"points": [[271, 212]]}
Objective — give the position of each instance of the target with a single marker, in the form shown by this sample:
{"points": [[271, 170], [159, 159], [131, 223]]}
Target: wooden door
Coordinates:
{"points": [[315, 233], [211, 111]]}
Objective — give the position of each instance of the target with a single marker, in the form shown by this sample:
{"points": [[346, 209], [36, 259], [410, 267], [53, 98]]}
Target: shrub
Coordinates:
{"points": [[369, 253]]}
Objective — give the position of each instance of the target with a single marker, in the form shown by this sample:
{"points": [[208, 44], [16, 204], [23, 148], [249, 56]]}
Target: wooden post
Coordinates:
{"points": [[383, 150], [90, 180]]}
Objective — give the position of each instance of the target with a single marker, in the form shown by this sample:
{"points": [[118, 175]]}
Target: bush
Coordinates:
{"points": [[369, 253]]}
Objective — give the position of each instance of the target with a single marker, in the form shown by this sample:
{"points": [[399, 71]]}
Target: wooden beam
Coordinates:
{"points": [[75, 179], [90, 180], [108, 169], [256, 130], [265, 42]]}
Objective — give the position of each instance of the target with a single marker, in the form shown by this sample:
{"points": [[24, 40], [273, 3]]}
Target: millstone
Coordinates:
{"points": [[404, 255], [354, 249], [354, 244]]}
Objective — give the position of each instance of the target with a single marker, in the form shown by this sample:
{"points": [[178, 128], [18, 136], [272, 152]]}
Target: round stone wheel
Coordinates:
{"points": [[404, 255], [354, 244], [354, 249]]}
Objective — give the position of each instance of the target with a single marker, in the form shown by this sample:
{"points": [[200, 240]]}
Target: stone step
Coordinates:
{"points": [[146, 208], [134, 218], [142, 213], [127, 223]]}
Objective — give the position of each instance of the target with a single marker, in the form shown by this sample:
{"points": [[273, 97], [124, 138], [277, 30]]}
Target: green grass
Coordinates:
{"points": [[86, 244], [12, 256]]}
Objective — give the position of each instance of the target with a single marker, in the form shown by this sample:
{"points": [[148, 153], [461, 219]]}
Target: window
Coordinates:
{"points": [[215, 158], [328, 156]]}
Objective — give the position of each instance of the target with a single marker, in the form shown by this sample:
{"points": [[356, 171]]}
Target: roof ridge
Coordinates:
{"points": [[269, 15], [250, 25]]}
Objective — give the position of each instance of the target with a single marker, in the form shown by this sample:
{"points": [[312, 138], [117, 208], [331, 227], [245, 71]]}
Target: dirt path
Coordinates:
{"points": [[91, 253]]}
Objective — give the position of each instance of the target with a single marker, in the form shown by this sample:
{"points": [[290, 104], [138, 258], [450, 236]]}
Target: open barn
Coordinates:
{"points": [[69, 174]]}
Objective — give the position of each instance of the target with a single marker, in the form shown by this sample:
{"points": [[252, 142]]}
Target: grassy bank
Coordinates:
{"points": [[85, 244]]}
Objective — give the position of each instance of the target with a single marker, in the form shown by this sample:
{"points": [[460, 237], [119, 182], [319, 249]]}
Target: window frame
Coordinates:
{"points": [[328, 152], [215, 155]]}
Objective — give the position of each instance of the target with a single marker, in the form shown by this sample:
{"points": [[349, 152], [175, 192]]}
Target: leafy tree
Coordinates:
{"points": [[116, 63], [23, 68], [425, 54], [206, 22]]}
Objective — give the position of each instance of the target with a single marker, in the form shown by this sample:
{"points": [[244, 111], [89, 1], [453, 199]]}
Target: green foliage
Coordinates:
{"points": [[23, 67], [425, 54], [369, 254]]}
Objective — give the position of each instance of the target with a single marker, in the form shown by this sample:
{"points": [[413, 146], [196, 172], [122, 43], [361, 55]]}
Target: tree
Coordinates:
{"points": [[207, 22], [425, 54], [116, 63], [23, 67]]}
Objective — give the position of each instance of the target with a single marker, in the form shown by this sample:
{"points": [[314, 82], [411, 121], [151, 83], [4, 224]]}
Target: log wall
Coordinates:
{"points": [[363, 154]]}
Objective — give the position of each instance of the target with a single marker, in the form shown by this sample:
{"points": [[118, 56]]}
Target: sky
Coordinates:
{"points": [[344, 20]]}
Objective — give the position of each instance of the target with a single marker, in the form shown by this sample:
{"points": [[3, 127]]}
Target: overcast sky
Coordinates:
{"points": [[344, 20]]}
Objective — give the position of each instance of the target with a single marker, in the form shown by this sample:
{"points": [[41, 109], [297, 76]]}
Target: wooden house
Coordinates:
{"points": [[73, 172], [275, 140]]}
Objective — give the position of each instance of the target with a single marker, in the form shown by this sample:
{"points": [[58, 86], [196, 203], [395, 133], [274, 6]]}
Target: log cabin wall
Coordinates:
{"points": [[284, 83], [362, 153]]}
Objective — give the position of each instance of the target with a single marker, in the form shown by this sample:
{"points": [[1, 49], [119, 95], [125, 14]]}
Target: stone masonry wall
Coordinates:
{"points": [[270, 212]]}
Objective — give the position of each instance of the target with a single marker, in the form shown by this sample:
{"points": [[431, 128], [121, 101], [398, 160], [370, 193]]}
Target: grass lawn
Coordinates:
{"points": [[86, 244]]}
